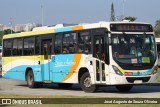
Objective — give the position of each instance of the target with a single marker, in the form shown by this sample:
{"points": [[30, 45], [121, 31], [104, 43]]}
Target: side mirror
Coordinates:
{"points": [[110, 41]]}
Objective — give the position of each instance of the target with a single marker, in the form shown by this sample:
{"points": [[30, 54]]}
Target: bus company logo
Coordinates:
{"points": [[138, 73], [6, 101], [64, 63]]}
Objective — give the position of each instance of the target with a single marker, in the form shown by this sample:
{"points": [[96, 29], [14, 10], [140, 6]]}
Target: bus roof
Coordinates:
{"points": [[61, 28]]}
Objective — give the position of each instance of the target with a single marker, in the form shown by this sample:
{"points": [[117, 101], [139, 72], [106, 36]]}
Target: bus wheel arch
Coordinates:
{"points": [[81, 72], [27, 70], [85, 81], [30, 79]]}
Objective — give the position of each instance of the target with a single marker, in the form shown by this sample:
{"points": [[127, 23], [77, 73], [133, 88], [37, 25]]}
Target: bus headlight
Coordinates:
{"points": [[117, 71]]}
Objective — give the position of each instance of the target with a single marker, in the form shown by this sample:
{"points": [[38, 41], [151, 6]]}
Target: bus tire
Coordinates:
{"points": [[65, 85], [124, 88], [85, 83], [30, 81]]}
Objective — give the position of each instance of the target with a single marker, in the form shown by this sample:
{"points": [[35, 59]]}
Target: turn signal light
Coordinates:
{"points": [[128, 73]]}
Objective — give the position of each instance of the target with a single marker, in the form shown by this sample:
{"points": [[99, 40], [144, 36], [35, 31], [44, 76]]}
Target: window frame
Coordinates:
{"points": [[76, 40], [3, 52], [54, 41], [91, 37], [33, 45], [17, 46]]}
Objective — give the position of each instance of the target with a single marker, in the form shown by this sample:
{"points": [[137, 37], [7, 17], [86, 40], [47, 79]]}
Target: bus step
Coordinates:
{"points": [[47, 82]]}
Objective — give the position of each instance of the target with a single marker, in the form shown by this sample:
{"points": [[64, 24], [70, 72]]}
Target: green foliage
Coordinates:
{"points": [[1, 40], [5, 32], [112, 13], [130, 18], [157, 28]]}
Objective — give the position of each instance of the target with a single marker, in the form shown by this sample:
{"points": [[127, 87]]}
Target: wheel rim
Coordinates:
{"points": [[87, 82], [30, 79]]}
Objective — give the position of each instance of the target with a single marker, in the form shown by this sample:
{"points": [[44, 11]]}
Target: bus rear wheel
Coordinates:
{"points": [[86, 84], [30, 81], [124, 88], [65, 85]]}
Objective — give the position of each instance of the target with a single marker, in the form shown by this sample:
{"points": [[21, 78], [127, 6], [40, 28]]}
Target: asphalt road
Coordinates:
{"points": [[10, 86]]}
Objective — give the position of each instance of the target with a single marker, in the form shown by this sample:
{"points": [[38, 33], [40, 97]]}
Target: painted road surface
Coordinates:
{"points": [[9, 86]]}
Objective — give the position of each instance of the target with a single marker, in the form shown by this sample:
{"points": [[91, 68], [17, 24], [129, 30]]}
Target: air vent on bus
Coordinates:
{"points": [[132, 79]]}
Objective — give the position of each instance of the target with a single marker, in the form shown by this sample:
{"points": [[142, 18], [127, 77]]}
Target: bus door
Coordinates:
{"points": [[46, 50], [99, 62]]}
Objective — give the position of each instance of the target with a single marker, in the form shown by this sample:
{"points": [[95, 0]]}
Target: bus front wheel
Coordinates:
{"points": [[30, 81], [86, 84], [124, 88]]}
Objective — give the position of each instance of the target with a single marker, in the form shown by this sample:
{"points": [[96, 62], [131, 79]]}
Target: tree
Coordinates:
{"points": [[1, 33], [112, 13], [157, 28], [130, 18], [5, 32]]}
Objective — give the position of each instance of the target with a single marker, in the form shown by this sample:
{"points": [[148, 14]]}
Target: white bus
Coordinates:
{"points": [[106, 53]]}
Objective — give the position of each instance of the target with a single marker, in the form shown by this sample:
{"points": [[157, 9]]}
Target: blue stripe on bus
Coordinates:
{"points": [[142, 73], [55, 76], [20, 74], [60, 66], [63, 29]]}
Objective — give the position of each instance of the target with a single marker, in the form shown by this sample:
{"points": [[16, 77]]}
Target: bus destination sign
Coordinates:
{"points": [[131, 28]]}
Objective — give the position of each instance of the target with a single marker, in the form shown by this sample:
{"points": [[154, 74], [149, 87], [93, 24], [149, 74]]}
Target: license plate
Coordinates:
{"points": [[138, 81]]}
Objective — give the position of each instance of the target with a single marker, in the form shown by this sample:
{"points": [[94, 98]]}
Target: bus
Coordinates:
{"points": [[158, 50], [0, 61], [121, 54], [0, 50]]}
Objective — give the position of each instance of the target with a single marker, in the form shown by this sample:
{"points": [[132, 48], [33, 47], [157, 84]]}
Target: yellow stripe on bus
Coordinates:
{"points": [[23, 34], [7, 60]]}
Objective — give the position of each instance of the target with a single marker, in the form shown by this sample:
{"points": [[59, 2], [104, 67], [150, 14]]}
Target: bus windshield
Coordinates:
{"points": [[133, 49]]}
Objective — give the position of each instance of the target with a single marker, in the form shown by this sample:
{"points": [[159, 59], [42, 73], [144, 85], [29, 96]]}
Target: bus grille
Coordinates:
{"points": [[132, 79]]}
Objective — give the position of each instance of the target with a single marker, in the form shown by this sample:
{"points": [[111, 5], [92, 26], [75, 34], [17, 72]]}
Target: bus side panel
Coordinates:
{"points": [[64, 67], [13, 69], [16, 68], [72, 76], [60, 65], [79, 61], [6, 67], [38, 71]]}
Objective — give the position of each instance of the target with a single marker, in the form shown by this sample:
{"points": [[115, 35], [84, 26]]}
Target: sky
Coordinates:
{"points": [[75, 11]]}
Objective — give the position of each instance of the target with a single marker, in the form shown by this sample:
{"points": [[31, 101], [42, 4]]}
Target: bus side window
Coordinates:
{"points": [[84, 42], [28, 46], [158, 50], [57, 44], [17, 47], [20, 46], [69, 43], [37, 46], [7, 47]]}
